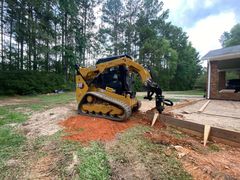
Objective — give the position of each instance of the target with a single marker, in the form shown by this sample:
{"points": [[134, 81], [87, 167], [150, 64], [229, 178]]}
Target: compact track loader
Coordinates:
{"points": [[105, 90]]}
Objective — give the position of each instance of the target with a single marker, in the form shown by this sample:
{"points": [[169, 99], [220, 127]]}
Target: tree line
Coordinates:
{"points": [[140, 28], [53, 35], [231, 38], [49, 35]]}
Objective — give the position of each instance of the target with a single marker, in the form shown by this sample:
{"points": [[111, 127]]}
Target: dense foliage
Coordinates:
{"points": [[201, 82], [53, 35], [139, 28], [231, 38], [30, 82], [49, 35]]}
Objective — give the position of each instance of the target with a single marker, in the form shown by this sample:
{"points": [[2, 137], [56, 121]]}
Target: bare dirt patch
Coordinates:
{"points": [[16, 101], [218, 165], [46, 122], [201, 162], [42, 168], [129, 167], [133, 156], [85, 129], [43, 162], [166, 139]]}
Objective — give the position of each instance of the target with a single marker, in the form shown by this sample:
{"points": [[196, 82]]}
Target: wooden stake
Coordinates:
{"points": [[155, 118], [207, 129], [204, 106]]}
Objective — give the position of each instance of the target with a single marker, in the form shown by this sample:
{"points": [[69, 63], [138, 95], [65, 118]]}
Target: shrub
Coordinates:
{"points": [[30, 82]]}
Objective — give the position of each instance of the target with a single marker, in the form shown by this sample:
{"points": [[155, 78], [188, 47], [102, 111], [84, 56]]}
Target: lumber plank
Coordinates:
{"points": [[204, 106], [219, 135]]}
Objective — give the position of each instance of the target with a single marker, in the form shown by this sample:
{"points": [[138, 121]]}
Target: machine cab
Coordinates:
{"points": [[118, 78]]}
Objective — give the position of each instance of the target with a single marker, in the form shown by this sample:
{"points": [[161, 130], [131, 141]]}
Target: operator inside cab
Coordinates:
{"points": [[117, 78]]}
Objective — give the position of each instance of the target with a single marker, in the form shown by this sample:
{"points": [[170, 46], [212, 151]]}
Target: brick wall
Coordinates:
{"points": [[217, 83], [222, 80]]}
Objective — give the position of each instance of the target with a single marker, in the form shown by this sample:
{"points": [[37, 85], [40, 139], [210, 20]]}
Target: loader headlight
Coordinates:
{"points": [[80, 85]]}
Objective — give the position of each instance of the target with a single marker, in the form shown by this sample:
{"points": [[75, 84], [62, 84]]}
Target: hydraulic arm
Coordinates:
{"points": [[115, 70]]}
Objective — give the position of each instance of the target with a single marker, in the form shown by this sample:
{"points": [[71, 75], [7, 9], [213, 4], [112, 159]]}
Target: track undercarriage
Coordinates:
{"points": [[99, 105]]}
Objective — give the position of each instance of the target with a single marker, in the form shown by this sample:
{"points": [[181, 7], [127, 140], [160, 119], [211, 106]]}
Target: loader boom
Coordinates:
{"points": [[95, 78]]}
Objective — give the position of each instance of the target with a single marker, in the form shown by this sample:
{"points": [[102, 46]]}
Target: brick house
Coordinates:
{"points": [[222, 63]]}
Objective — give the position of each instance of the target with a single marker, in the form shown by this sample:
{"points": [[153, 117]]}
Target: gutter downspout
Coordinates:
{"points": [[209, 79]]}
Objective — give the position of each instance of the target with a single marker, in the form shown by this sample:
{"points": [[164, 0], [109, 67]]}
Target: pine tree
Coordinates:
{"points": [[112, 26]]}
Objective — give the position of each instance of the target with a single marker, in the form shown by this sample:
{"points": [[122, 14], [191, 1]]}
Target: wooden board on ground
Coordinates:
{"points": [[204, 106], [217, 134]]}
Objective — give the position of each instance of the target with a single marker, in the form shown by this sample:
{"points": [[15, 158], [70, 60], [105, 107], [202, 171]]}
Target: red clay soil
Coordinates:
{"points": [[200, 161], [160, 137], [85, 129]]}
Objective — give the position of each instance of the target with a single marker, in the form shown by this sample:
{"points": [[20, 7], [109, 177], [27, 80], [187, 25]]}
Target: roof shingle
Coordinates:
{"points": [[222, 52]]}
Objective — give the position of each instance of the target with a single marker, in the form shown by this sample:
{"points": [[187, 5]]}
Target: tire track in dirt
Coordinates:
{"points": [[45, 123]]}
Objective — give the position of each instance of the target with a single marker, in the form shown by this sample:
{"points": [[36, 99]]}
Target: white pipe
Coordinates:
{"points": [[209, 79]]}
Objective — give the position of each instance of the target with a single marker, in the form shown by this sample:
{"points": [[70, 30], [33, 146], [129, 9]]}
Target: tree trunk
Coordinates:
{"points": [[2, 55], [55, 43], [30, 39], [10, 46], [63, 45], [66, 43], [47, 57], [34, 45], [84, 32], [18, 57], [21, 59]]}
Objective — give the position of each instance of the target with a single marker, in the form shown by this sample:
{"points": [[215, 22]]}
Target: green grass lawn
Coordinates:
{"points": [[94, 162], [147, 153], [188, 92], [44, 101], [51, 100], [11, 141], [8, 115]]}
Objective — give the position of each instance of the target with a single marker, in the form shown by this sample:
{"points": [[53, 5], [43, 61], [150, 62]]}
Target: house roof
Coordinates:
{"points": [[223, 54]]}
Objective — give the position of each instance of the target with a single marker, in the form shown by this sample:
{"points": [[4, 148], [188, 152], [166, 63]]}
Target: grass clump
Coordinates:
{"points": [[214, 148], [92, 160], [94, 163], [10, 143], [152, 156], [176, 133], [49, 100], [11, 147], [188, 92], [8, 116]]}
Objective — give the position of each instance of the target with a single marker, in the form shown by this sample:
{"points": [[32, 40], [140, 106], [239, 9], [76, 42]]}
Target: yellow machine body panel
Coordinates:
{"points": [[112, 102], [81, 88]]}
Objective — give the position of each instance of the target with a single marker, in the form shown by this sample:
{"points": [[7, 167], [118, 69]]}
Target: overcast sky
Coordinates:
{"points": [[204, 20]]}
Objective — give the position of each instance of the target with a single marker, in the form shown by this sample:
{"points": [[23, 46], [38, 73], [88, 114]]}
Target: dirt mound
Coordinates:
{"points": [[85, 129], [165, 139]]}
